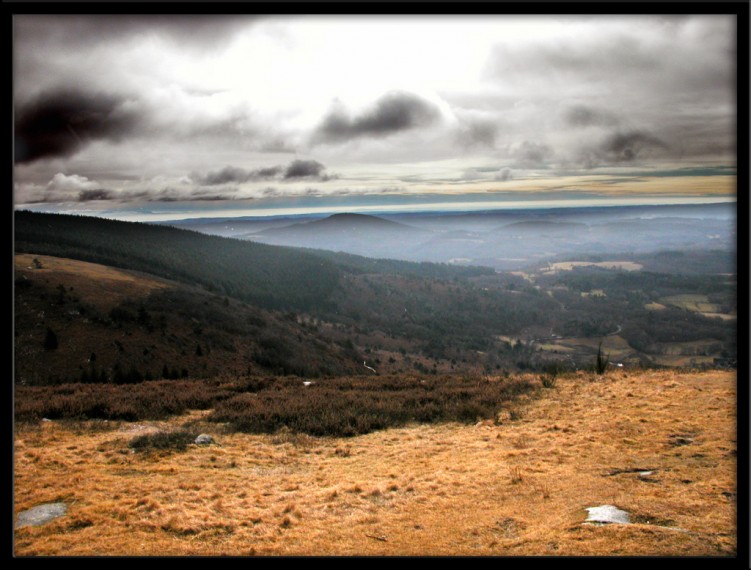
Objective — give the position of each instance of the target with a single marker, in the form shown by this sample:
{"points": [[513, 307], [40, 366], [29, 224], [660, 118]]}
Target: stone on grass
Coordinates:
{"points": [[204, 439], [41, 514], [607, 514]]}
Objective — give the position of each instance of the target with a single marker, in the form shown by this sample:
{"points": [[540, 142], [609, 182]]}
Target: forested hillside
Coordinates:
{"points": [[326, 312], [269, 276]]}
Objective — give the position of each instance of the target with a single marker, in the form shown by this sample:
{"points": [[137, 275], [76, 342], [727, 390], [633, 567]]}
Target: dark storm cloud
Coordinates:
{"points": [[232, 174], [392, 113], [91, 195], [305, 169], [59, 123], [626, 147], [620, 147], [584, 116]]}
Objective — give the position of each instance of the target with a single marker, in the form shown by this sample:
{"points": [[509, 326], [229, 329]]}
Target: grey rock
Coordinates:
{"points": [[41, 514], [607, 514], [204, 439]]}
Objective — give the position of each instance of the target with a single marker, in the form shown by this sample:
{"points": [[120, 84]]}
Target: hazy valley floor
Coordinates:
{"points": [[518, 488]]}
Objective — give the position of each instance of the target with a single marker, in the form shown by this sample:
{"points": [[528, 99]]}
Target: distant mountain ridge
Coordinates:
{"points": [[344, 223]]}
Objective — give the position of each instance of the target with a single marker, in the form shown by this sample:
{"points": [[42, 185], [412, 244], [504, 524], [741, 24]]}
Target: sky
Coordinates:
{"points": [[165, 117]]}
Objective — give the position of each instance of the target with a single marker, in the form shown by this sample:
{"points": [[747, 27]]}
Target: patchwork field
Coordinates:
{"points": [[697, 303], [569, 265], [517, 486]]}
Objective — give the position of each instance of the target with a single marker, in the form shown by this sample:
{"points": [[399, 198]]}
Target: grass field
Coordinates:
{"points": [[515, 488], [696, 303], [615, 346]]}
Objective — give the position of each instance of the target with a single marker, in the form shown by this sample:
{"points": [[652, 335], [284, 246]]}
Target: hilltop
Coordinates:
{"points": [[362, 234], [348, 222]]}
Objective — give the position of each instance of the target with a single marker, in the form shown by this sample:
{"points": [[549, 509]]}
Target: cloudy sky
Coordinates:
{"points": [[144, 117]]}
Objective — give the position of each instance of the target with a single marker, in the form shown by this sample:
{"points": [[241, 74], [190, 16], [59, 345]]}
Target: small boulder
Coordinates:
{"points": [[41, 514], [204, 439]]}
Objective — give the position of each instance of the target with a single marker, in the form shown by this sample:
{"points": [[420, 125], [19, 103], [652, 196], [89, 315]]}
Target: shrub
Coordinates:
{"points": [[129, 402], [551, 372], [164, 440], [548, 381], [332, 407], [352, 406], [601, 361]]}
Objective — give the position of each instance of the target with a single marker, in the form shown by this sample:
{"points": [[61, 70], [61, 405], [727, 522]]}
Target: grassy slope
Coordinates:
{"points": [[518, 488]]}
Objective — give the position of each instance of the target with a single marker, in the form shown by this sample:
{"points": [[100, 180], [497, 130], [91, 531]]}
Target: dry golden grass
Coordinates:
{"points": [[100, 285], [518, 488]]}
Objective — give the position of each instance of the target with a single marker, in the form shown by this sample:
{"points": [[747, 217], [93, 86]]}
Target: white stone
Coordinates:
{"points": [[41, 514], [607, 514]]}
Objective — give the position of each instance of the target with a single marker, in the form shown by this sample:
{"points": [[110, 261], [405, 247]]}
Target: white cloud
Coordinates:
{"points": [[71, 183]]}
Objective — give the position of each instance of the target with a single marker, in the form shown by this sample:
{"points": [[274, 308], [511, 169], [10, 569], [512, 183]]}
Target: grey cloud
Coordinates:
{"points": [[471, 174], [598, 56], [171, 194], [638, 62], [74, 31], [584, 116], [626, 147], [232, 174], [478, 133], [270, 192], [503, 175], [58, 124], [305, 169], [91, 195], [620, 147], [532, 154], [394, 112]]}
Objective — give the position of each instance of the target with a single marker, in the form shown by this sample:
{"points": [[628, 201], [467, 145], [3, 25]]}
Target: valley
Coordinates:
{"points": [[149, 312]]}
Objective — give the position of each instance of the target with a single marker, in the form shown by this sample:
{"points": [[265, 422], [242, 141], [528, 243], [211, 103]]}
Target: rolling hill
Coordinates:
{"points": [[353, 233], [121, 326]]}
